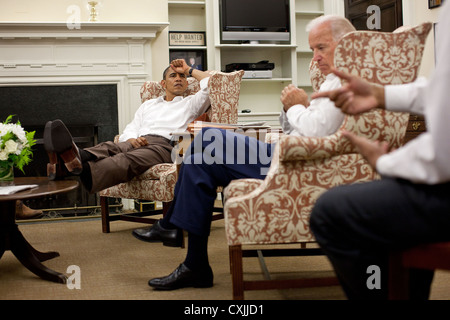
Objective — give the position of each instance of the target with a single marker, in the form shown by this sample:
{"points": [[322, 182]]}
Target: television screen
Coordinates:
{"points": [[255, 20]]}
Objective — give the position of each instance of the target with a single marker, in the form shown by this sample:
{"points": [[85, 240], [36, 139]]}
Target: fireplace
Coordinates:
{"points": [[89, 111], [89, 77]]}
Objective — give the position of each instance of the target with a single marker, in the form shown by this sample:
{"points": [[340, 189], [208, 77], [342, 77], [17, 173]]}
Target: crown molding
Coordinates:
{"points": [[81, 30]]}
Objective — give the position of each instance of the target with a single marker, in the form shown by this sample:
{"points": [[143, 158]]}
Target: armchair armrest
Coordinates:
{"points": [[311, 148], [375, 125]]}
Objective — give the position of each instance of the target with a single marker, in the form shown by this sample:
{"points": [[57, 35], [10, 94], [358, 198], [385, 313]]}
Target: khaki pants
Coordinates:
{"points": [[120, 162]]}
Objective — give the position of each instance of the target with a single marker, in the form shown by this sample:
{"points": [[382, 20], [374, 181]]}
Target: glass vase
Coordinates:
{"points": [[6, 176]]}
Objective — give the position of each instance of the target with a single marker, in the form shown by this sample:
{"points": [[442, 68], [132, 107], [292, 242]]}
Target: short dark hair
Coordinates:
{"points": [[165, 72]]}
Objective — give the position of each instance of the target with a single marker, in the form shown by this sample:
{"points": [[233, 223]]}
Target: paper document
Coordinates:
{"points": [[13, 189]]}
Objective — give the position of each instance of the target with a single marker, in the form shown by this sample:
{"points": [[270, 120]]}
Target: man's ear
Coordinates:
{"points": [[163, 83]]}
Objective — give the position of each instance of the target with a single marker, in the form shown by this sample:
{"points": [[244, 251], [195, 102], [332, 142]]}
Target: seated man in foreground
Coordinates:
{"points": [[357, 226], [145, 142], [229, 156]]}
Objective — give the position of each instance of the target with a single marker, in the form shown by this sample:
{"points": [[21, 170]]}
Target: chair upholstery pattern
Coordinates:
{"points": [[152, 89], [158, 182], [384, 58], [277, 209], [316, 76]]}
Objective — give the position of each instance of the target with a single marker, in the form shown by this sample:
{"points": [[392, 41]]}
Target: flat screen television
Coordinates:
{"points": [[255, 20]]}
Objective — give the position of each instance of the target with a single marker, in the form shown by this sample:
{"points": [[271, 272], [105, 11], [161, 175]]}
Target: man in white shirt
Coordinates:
{"points": [[145, 141], [357, 225], [199, 177]]}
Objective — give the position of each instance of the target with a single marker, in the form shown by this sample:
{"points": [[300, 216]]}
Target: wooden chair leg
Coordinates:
{"points": [[398, 286], [105, 214], [237, 274]]}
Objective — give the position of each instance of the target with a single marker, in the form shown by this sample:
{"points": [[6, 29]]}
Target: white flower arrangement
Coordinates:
{"points": [[15, 145]]}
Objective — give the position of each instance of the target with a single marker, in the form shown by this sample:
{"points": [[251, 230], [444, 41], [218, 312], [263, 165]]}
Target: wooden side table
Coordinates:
{"points": [[12, 239]]}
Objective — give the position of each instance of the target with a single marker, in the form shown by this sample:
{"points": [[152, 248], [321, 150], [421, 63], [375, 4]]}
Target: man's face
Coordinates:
{"points": [[175, 83], [322, 44]]}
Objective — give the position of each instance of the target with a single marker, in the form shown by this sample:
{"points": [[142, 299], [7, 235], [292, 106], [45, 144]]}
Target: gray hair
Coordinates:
{"points": [[340, 26]]}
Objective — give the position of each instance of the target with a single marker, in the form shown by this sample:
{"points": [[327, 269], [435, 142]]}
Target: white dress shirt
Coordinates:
{"points": [[321, 118], [158, 116], [425, 159]]}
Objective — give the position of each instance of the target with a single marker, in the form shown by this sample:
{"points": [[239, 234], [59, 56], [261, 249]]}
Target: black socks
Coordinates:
{"points": [[86, 155], [86, 176], [197, 253], [165, 224]]}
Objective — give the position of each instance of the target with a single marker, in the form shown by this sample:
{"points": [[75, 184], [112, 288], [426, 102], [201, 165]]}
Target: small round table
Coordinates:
{"points": [[12, 239]]}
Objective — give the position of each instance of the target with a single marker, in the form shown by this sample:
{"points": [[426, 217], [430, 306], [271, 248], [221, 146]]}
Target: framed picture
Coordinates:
{"points": [[182, 38], [434, 3], [194, 58]]}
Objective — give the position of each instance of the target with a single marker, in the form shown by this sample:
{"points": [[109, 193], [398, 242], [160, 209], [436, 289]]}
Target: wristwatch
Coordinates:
{"points": [[190, 72]]}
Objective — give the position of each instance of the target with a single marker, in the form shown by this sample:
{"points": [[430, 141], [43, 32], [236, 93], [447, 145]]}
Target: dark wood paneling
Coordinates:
{"points": [[391, 13]]}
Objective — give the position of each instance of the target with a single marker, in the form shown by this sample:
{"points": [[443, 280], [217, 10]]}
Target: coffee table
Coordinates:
{"points": [[12, 239]]}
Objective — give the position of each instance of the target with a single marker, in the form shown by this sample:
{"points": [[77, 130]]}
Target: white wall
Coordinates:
{"points": [[414, 13], [108, 11]]}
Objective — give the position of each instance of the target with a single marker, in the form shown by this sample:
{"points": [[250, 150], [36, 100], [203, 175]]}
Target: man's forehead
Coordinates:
{"points": [[320, 44], [321, 39], [175, 73]]}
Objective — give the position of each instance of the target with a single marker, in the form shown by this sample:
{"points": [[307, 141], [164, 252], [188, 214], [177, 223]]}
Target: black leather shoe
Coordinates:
{"points": [[169, 237], [182, 277]]}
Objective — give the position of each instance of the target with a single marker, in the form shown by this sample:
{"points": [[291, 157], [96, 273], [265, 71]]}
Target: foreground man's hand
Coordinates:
{"points": [[356, 96], [370, 150]]}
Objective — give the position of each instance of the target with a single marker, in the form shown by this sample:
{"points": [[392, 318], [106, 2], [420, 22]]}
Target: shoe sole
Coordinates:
{"points": [[204, 284], [58, 140], [162, 288]]}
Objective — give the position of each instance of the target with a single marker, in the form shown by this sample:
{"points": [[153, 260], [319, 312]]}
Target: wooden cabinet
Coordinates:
{"points": [[416, 126]]}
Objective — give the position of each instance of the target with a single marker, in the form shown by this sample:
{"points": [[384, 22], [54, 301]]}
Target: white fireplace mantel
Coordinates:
{"points": [[51, 53], [83, 30]]}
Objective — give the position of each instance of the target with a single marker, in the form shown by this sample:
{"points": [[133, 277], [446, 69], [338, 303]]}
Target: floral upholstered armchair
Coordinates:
{"points": [[276, 210], [158, 182]]}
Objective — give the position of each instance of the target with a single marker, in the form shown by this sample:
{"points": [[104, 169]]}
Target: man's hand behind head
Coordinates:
{"points": [[180, 66]]}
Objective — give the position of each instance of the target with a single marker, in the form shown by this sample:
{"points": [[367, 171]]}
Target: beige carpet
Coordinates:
{"points": [[118, 266]]}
